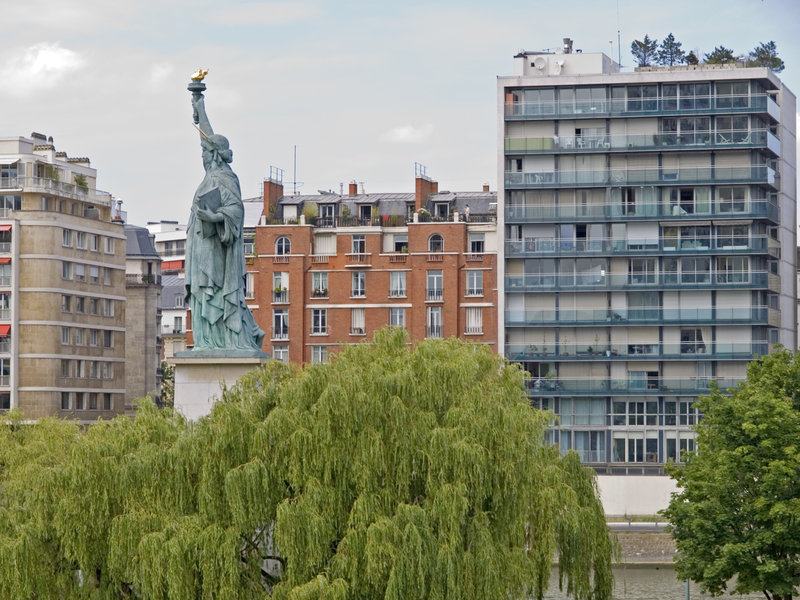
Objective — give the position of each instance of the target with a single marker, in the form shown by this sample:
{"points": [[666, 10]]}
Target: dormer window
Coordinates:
{"points": [[441, 210], [365, 214]]}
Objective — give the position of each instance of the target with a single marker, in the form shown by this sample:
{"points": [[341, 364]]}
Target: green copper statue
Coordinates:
{"points": [[215, 268]]}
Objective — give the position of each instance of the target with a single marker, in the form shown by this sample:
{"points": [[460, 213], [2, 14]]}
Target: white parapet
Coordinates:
{"points": [[627, 495]]}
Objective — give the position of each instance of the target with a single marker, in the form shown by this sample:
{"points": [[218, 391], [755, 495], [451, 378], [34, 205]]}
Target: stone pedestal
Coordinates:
{"points": [[199, 377]]}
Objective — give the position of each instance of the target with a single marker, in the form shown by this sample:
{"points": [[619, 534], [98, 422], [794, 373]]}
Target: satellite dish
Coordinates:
{"points": [[540, 62]]}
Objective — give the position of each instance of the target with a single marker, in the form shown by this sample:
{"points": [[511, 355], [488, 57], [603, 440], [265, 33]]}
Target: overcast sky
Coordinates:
{"points": [[363, 88]]}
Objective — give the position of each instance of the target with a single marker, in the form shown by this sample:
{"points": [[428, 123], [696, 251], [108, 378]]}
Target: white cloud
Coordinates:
{"points": [[161, 72], [409, 134], [38, 67]]}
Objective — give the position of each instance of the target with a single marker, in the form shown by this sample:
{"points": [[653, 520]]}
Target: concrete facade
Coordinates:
{"points": [[647, 225], [62, 286]]}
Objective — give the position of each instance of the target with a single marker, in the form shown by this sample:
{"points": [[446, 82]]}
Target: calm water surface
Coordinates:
{"points": [[646, 583]]}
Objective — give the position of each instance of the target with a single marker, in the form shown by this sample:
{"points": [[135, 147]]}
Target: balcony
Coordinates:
{"points": [[280, 296], [697, 105], [659, 386], [473, 330], [626, 352], [545, 247], [707, 140], [358, 259], [748, 315], [398, 293], [142, 279], [632, 281], [748, 209], [45, 185], [751, 174], [320, 329], [280, 333], [434, 295]]}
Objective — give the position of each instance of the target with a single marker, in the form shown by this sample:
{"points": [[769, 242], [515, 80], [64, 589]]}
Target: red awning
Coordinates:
{"points": [[171, 265], [5, 227], [5, 330], [5, 260]]}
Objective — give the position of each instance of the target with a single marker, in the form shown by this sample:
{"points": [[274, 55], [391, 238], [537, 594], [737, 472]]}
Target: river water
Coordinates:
{"points": [[633, 582]]}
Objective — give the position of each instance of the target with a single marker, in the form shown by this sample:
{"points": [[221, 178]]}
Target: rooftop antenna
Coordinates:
{"points": [[294, 182], [619, 45]]}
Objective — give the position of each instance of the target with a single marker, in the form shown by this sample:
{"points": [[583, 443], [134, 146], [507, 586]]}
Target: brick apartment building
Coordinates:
{"points": [[329, 269]]}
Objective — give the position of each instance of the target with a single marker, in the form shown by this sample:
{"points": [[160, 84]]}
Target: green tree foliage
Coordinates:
{"points": [[670, 53], [691, 58], [737, 511], [766, 55], [720, 56], [167, 384], [644, 51], [389, 473]]}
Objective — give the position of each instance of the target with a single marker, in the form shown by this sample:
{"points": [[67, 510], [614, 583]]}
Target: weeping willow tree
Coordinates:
{"points": [[389, 473]]}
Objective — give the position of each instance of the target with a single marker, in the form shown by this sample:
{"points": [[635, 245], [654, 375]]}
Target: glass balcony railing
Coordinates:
{"points": [[751, 315], [623, 177], [627, 351], [759, 103], [560, 386], [739, 209], [720, 139], [623, 281], [560, 247]]}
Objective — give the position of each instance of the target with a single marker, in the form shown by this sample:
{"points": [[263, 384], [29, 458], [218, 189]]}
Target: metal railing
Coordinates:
{"points": [[601, 280], [609, 386], [434, 294], [631, 351], [557, 247]]}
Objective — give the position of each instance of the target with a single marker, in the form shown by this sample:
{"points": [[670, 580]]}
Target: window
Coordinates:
{"points": [[319, 284], [179, 301], [732, 94], [401, 243], [108, 308], [280, 324], [93, 401], [733, 130], [434, 322], [680, 411], [249, 245], [94, 242], [94, 274], [732, 199], [108, 339], [692, 341], [80, 305], [5, 274], [5, 400], [107, 401], [94, 335], [732, 236], [434, 286], [80, 240], [358, 284], [249, 285], [436, 243], [397, 317], [94, 306], [94, 369], [474, 283], [283, 246], [80, 400], [80, 272], [109, 245], [66, 303], [733, 269], [78, 336], [474, 320], [66, 270], [65, 401], [695, 270], [106, 276], [476, 244], [359, 244], [108, 370], [397, 284], [319, 321], [635, 412], [280, 286], [642, 270], [66, 238], [177, 325], [357, 322], [365, 214], [65, 336], [80, 368], [642, 97], [281, 353], [319, 354], [65, 367]]}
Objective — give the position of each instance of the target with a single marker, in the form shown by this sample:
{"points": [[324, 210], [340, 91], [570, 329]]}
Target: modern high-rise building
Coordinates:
{"points": [[62, 286], [649, 242]]}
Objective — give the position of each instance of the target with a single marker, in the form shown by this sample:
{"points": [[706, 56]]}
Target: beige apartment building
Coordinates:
{"points": [[62, 286]]}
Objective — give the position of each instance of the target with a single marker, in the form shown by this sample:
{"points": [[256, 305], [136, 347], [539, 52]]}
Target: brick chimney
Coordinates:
{"points": [[353, 189], [423, 188], [273, 190]]}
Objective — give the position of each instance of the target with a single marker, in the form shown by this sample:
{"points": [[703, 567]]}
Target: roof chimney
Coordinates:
{"points": [[423, 188], [353, 188], [273, 191], [567, 46], [485, 187]]}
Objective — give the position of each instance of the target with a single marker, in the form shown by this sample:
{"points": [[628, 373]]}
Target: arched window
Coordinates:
{"points": [[435, 243], [283, 246]]}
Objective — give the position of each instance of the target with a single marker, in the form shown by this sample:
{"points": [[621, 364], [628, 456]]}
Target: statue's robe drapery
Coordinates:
{"points": [[215, 269]]}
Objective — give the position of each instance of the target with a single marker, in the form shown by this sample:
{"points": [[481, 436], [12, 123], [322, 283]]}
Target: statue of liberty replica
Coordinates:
{"points": [[215, 268]]}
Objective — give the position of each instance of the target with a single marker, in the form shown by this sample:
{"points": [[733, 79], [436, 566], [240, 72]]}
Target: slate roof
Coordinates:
{"points": [[139, 242]]}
